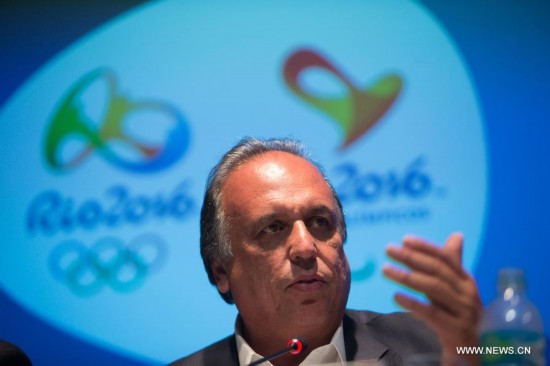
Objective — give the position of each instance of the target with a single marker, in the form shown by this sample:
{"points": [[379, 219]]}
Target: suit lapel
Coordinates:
{"points": [[360, 344], [222, 353]]}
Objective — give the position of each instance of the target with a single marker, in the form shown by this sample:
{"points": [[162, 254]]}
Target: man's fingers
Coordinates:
{"points": [[438, 292], [419, 261], [432, 315], [450, 254], [452, 331], [453, 246], [454, 307]]}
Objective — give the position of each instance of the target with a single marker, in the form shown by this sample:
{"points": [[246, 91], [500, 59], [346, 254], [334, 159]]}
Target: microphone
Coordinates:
{"points": [[294, 346]]}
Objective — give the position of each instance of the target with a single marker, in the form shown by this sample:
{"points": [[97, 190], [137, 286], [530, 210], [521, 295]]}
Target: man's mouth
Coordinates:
{"points": [[308, 283]]}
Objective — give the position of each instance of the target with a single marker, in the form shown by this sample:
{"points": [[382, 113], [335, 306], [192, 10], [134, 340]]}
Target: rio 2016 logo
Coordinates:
{"points": [[77, 130], [51, 212], [359, 110], [70, 122]]}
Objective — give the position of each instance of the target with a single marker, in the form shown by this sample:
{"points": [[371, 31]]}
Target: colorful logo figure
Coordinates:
{"points": [[356, 112], [69, 123], [109, 262]]}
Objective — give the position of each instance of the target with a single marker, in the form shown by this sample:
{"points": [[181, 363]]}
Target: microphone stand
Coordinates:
{"points": [[295, 346]]}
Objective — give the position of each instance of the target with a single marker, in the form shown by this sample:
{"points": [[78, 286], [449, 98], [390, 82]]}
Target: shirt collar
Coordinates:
{"points": [[334, 352]]}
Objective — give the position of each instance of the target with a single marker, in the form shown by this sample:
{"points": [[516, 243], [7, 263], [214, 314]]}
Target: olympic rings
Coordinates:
{"points": [[108, 262]]}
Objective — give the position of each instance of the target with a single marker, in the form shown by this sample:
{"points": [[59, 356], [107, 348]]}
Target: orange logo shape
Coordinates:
{"points": [[357, 111]]}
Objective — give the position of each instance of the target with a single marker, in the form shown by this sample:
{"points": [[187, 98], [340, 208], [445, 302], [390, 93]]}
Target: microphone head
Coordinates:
{"points": [[297, 345]]}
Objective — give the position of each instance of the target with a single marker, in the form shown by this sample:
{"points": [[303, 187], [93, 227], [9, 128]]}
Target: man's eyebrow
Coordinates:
{"points": [[264, 220], [311, 211], [322, 209]]}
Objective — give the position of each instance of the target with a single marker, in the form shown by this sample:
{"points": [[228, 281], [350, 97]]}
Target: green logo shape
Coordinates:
{"points": [[69, 123], [357, 111]]}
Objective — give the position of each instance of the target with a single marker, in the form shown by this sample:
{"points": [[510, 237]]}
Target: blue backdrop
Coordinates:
{"points": [[466, 114]]}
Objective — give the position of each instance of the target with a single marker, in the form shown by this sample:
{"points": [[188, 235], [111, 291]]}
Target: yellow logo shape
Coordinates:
{"points": [[357, 111]]}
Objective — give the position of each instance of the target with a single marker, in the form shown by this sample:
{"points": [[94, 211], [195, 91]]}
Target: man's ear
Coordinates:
{"points": [[220, 275]]}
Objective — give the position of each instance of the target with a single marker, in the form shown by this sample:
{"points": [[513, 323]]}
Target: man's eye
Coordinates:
{"points": [[317, 222], [273, 228]]}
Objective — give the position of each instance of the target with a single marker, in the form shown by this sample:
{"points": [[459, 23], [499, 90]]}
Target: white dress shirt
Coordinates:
{"points": [[332, 353]]}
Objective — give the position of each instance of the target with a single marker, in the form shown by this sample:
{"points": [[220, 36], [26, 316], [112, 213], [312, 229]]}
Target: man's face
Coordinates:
{"points": [[289, 274]]}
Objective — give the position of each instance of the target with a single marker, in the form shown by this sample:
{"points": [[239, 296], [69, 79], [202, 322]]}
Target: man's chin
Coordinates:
{"points": [[313, 313]]}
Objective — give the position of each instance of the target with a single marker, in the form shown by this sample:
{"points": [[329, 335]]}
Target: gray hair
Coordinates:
{"points": [[214, 241]]}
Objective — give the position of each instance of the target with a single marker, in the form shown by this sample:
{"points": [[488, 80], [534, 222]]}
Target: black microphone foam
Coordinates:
{"points": [[294, 346], [297, 345]]}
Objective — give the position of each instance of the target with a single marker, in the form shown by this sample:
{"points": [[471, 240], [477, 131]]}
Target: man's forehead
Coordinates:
{"points": [[274, 175], [275, 164], [272, 170]]}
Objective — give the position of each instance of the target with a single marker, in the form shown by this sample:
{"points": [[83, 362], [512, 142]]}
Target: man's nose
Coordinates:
{"points": [[303, 250]]}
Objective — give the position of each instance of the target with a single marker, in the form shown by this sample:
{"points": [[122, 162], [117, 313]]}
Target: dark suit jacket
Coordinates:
{"points": [[367, 335], [11, 355]]}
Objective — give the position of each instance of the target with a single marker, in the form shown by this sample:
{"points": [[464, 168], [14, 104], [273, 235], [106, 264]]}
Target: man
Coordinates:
{"points": [[272, 242]]}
